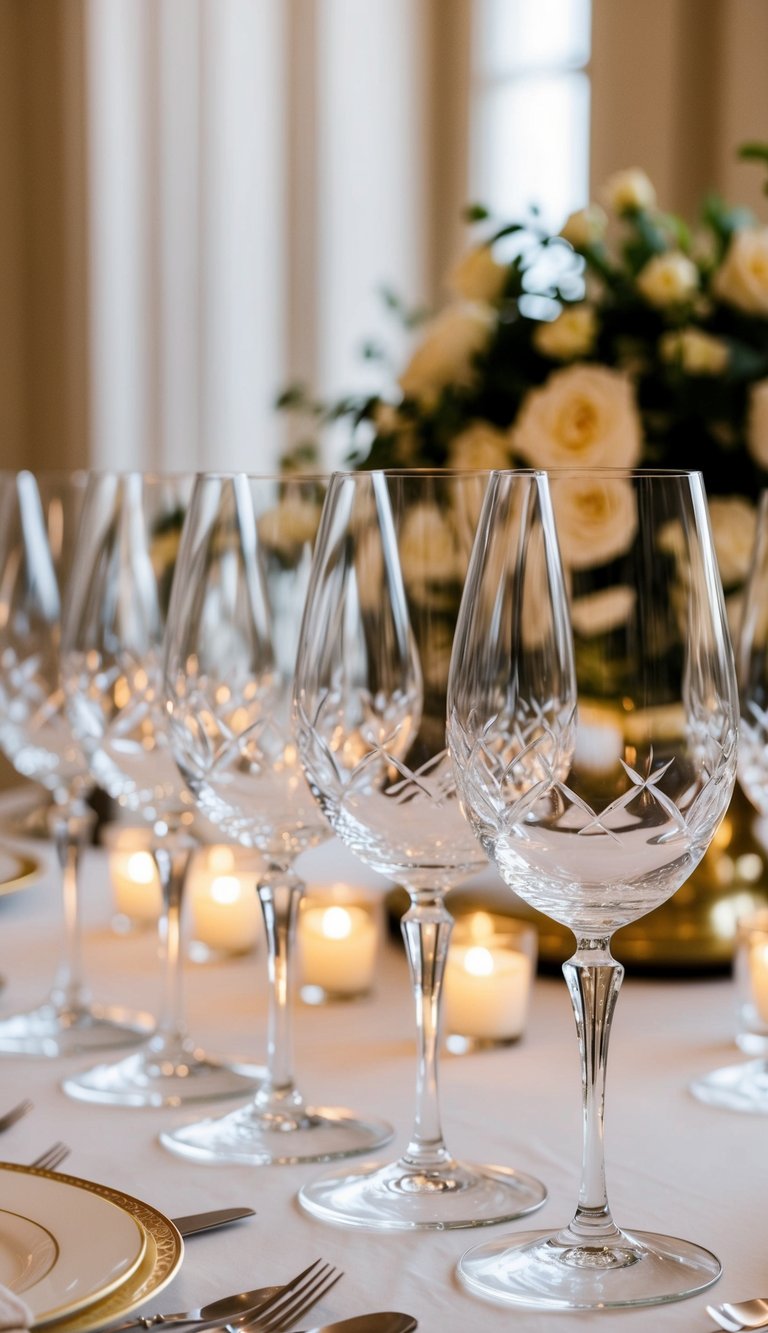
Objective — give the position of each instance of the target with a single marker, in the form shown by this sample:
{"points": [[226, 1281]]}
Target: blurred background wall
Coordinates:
{"points": [[199, 199]]}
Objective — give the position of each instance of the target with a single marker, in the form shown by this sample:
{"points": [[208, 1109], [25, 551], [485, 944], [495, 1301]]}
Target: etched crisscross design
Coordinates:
{"points": [[753, 753]]}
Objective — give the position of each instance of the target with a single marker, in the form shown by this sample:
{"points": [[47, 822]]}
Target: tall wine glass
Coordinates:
{"points": [[39, 516], [597, 815], [233, 628], [370, 689], [111, 659], [744, 1086]]}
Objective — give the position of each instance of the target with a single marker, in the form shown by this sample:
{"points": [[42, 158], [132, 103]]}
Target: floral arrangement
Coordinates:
{"points": [[627, 339]]}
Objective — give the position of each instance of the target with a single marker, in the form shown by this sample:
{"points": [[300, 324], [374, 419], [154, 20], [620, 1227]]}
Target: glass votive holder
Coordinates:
{"points": [[225, 914], [487, 985], [136, 891], [338, 942], [751, 976]]}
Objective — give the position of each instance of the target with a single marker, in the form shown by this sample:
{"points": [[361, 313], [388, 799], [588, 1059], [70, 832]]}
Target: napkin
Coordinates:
{"points": [[15, 1314]]}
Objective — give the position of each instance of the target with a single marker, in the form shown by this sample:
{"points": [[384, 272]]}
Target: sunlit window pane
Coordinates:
{"points": [[530, 34], [531, 146]]}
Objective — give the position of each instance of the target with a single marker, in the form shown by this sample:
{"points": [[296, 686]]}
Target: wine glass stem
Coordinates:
{"points": [[71, 826], [593, 978], [279, 894], [426, 929], [172, 861]]}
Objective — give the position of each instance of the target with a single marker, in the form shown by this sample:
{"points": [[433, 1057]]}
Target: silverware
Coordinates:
{"points": [[227, 1311], [735, 1315], [218, 1217], [381, 1321], [282, 1311], [15, 1113], [52, 1157]]}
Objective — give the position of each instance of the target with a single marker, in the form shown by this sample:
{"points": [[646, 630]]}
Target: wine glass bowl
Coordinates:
{"points": [[233, 631], [595, 773], [370, 693]]}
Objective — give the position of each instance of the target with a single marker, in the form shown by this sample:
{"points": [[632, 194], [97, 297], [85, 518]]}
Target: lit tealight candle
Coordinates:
{"points": [[224, 905], [487, 985], [758, 978], [136, 886], [337, 950]]}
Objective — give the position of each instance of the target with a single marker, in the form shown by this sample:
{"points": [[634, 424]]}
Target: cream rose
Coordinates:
{"points": [[629, 190], [757, 423], [734, 521], [596, 518], [582, 228], [480, 448], [599, 612], [477, 276], [742, 280], [445, 354], [582, 416], [294, 522], [428, 554], [698, 353], [572, 333], [668, 279]]}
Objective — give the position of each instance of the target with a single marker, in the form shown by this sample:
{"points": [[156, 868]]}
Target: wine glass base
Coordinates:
{"points": [[163, 1078], [547, 1271], [742, 1087], [51, 1031], [319, 1134], [395, 1197]]}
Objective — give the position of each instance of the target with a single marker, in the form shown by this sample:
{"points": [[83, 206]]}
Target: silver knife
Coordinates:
{"points": [[218, 1217]]}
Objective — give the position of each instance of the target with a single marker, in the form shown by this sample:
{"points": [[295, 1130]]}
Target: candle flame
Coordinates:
{"points": [[478, 961], [141, 868], [225, 889], [337, 923]]}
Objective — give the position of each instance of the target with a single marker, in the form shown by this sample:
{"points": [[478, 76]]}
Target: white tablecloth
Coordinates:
{"points": [[674, 1165]]}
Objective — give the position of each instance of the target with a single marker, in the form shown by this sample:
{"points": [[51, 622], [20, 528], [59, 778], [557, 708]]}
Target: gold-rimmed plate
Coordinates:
{"points": [[17, 870], [58, 1268], [161, 1261]]}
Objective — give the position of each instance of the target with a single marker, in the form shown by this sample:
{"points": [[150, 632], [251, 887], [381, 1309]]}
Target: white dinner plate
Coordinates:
{"points": [[62, 1244]]}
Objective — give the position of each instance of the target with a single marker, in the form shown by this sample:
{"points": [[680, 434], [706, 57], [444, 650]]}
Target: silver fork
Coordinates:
{"points": [[15, 1113], [736, 1315], [287, 1306], [52, 1157]]}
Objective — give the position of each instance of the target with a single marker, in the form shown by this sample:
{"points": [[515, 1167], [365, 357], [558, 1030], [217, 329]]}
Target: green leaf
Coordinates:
{"points": [[292, 396], [754, 152], [475, 213]]}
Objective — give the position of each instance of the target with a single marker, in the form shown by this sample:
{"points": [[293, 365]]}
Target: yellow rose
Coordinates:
{"points": [[445, 354], [698, 353], [596, 519], [757, 423], [743, 278], [572, 333], [626, 191], [734, 521], [477, 276], [582, 416], [582, 228], [668, 279], [479, 448]]}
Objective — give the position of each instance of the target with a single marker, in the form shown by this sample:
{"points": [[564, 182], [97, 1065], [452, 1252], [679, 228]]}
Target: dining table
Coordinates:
{"points": [[674, 1165]]}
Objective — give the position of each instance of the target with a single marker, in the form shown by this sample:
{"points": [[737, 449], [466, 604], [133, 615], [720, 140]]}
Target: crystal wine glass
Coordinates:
{"points": [[39, 516], [370, 694], [744, 1086], [594, 814], [112, 641], [233, 628]]}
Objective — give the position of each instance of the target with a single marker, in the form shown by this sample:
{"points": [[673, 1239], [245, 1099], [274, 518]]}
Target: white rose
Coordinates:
{"points": [[428, 554], [582, 228], [582, 416], [668, 279], [596, 518], [571, 334], [446, 352], [294, 522], [479, 448], [698, 353], [734, 521], [743, 278], [626, 191], [477, 276], [757, 423], [599, 612]]}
